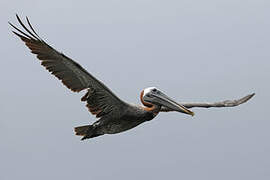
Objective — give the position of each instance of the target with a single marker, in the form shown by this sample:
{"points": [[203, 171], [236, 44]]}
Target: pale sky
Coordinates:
{"points": [[192, 50]]}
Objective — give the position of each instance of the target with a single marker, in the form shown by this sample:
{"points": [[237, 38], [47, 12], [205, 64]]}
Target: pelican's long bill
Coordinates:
{"points": [[168, 102], [155, 96]]}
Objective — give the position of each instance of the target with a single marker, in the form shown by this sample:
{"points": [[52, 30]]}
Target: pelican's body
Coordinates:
{"points": [[129, 118], [114, 115]]}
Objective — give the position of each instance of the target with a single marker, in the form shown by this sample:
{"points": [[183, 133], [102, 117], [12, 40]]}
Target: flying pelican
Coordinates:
{"points": [[114, 115]]}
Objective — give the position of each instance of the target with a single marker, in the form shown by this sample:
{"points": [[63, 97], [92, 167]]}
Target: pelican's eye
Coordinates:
{"points": [[154, 90]]}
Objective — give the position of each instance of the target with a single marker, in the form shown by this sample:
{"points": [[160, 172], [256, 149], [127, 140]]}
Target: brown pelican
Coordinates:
{"points": [[114, 115]]}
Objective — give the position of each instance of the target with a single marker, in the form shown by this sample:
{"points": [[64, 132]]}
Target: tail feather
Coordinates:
{"points": [[81, 130], [87, 132]]}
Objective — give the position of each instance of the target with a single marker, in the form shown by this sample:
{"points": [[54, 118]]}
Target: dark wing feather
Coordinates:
{"points": [[100, 99]]}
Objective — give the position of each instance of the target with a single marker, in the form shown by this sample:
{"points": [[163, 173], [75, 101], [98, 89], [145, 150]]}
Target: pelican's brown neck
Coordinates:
{"points": [[149, 106]]}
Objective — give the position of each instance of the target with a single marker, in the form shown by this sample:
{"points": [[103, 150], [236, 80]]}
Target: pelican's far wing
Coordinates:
{"points": [[227, 103], [69, 72]]}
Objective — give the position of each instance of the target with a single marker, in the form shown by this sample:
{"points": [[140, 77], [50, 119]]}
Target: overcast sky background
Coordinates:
{"points": [[191, 49]]}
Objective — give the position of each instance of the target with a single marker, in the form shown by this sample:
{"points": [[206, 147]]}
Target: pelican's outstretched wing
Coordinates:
{"points": [[227, 103], [100, 99]]}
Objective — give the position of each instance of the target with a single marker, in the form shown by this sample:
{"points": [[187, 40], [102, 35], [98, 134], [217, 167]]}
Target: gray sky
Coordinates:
{"points": [[192, 50]]}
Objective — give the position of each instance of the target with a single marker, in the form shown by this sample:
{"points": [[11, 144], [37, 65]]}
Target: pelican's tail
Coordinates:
{"points": [[87, 132], [81, 130]]}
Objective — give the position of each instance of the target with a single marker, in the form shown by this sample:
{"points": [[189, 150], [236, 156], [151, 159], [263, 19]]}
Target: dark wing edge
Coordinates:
{"points": [[72, 75], [227, 103], [101, 100]]}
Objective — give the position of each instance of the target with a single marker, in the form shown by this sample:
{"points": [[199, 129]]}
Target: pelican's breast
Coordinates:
{"points": [[133, 116]]}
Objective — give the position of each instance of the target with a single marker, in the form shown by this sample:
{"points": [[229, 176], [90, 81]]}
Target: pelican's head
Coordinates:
{"points": [[153, 96]]}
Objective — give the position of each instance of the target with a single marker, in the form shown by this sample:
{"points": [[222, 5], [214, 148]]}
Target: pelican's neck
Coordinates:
{"points": [[149, 106]]}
